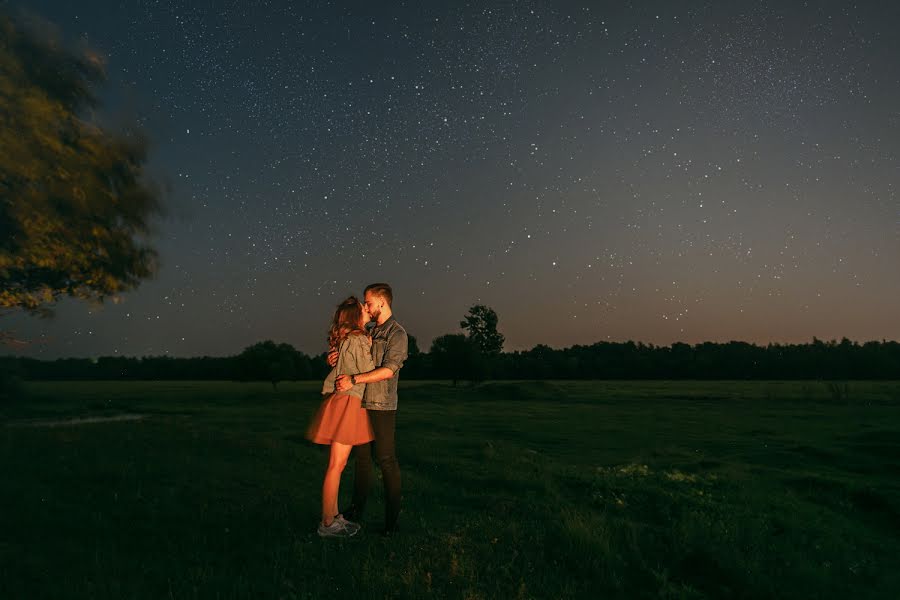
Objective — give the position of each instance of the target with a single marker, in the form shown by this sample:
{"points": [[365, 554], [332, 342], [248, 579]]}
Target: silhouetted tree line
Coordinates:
{"points": [[732, 360], [265, 361], [459, 358]]}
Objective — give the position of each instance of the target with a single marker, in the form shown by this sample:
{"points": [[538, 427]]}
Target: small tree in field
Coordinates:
{"points": [[481, 327], [454, 357], [268, 361]]}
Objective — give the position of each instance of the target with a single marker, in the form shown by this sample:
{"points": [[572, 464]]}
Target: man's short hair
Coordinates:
{"points": [[382, 290]]}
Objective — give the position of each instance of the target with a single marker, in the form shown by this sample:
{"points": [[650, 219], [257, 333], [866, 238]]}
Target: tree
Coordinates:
{"points": [[417, 363], [412, 346], [268, 361], [454, 357], [481, 325], [74, 204]]}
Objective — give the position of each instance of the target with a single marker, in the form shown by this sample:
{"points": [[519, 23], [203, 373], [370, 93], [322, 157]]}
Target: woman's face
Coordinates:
{"points": [[364, 317]]}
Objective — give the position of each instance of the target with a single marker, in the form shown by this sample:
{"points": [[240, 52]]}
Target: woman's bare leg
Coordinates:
{"points": [[336, 463]]}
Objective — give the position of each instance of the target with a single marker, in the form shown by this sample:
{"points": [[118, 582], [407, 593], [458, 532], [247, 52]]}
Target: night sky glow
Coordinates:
{"points": [[655, 171]]}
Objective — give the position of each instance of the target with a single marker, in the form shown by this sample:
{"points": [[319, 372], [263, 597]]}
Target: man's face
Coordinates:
{"points": [[374, 305]]}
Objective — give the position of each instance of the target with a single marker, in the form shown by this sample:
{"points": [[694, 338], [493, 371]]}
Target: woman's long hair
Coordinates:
{"points": [[345, 321]]}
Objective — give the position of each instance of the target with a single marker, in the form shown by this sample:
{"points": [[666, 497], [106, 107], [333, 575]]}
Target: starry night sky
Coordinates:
{"points": [[655, 171]]}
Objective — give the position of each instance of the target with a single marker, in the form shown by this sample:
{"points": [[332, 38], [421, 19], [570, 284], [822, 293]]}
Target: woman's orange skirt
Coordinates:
{"points": [[340, 419]]}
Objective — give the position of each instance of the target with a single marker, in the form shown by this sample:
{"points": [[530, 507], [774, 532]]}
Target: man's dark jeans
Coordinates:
{"points": [[384, 424]]}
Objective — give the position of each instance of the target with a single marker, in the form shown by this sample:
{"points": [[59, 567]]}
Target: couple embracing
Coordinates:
{"points": [[367, 349]]}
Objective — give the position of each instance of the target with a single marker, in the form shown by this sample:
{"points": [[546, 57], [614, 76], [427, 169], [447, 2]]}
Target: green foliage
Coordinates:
{"points": [[268, 361], [511, 490], [604, 360], [413, 346], [481, 326], [454, 357], [74, 206]]}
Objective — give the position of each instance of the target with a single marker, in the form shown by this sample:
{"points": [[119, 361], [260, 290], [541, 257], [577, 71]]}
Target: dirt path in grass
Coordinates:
{"points": [[78, 421]]}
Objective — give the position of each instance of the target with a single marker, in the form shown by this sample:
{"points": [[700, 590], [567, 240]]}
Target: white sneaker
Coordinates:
{"points": [[336, 529], [351, 526]]}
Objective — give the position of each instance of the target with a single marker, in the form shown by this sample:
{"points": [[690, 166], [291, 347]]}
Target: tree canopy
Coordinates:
{"points": [[272, 362], [481, 326], [75, 207], [454, 357]]}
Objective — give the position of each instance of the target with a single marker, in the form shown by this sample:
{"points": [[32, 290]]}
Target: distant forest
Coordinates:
{"points": [[268, 361]]}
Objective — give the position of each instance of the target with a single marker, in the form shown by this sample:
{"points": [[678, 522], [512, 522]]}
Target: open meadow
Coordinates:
{"points": [[602, 489]]}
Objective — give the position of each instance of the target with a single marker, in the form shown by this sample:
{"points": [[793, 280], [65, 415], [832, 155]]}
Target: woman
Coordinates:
{"points": [[341, 422]]}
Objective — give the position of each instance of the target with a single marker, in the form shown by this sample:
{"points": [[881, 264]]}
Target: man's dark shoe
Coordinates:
{"points": [[389, 532]]}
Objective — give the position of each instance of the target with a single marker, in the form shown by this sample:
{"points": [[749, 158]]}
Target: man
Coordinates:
{"points": [[389, 351]]}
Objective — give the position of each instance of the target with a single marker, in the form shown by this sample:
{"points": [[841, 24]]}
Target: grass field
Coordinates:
{"points": [[511, 490]]}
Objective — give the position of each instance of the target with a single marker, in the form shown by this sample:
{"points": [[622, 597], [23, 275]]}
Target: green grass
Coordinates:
{"points": [[511, 490]]}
